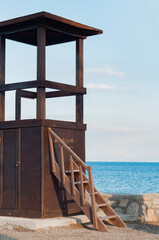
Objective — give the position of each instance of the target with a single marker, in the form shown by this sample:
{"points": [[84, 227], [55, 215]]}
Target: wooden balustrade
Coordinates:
{"points": [[62, 165], [91, 187], [52, 154], [76, 186], [82, 186], [77, 159], [72, 176]]}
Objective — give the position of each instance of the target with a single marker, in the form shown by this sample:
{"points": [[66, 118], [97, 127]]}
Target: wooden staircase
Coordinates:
{"points": [[78, 185]]}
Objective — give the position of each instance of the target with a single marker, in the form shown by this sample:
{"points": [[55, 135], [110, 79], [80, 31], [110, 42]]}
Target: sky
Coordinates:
{"points": [[121, 74]]}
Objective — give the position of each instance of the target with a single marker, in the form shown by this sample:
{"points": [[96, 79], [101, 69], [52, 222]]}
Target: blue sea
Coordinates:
{"points": [[126, 177]]}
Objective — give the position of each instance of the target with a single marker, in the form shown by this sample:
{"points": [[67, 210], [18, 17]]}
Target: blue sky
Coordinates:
{"points": [[121, 74]]}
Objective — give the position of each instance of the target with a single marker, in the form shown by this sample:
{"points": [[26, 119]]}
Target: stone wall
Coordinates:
{"points": [[143, 207]]}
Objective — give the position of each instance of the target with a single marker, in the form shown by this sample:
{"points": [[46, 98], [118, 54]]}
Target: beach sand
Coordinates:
{"points": [[135, 231]]}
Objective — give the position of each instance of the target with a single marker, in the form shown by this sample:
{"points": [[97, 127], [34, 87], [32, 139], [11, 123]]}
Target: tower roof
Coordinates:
{"points": [[58, 29]]}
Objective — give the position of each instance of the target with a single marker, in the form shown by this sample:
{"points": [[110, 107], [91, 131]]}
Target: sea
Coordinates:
{"points": [[126, 177]]}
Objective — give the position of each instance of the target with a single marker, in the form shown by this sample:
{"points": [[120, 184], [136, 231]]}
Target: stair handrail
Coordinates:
{"points": [[60, 173], [79, 160]]}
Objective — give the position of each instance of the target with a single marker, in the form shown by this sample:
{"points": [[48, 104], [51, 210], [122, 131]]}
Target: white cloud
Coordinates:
{"points": [[106, 70], [104, 87], [100, 86]]}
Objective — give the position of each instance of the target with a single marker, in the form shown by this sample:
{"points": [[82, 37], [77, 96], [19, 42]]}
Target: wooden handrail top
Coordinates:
{"points": [[68, 149]]}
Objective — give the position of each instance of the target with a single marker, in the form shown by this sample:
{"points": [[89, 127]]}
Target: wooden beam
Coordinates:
{"points": [[28, 94], [65, 87], [41, 45], [40, 122], [46, 84], [19, 86], [79, 79], [63, 31], [9, 32], [2, 78], [33, 95], [15, 29], [18, 105], [59, 94]]}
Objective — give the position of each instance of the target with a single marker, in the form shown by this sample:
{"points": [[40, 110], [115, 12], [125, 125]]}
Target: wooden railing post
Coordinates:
{"points": [[18, 105], [62, 165], [41, 48], [72, 176], [94, 208], [52, 152], [82, 186], [2, 77], [79, 79]]}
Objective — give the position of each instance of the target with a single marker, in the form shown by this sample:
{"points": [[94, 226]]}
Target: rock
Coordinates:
{"points": [[129, 218], [157, 214], [133, 209], [113, 204], [147, 198], [150, 217], [118, 211], [123, 202], [144, 208], [155, 206], [156, 201], [148, 203]]}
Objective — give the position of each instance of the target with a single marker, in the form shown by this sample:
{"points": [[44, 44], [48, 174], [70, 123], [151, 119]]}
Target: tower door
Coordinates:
{"points": [[9, 170]]}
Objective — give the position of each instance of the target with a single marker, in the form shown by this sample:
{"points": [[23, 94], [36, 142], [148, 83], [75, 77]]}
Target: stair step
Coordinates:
{"points": [[88, 208], [69, 171], [108, 217], [102, 205], [84, 182]]}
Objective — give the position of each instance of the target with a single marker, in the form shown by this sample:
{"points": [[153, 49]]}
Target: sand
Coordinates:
{"points": [[135, 231]]}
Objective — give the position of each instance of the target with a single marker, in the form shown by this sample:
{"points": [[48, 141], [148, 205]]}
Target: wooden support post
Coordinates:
{"points": [[62, 165], [94, 208], [72, 176], [2, 111], [18, 105], [52, 152], [79, 79], [82, 186], [41, 43], [2, 77]]}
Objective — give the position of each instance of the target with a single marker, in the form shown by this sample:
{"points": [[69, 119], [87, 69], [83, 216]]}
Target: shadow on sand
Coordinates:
{"points": [[144, 227]]}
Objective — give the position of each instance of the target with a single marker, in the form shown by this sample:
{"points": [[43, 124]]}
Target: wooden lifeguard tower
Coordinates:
{"points": [[42, 162]]}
